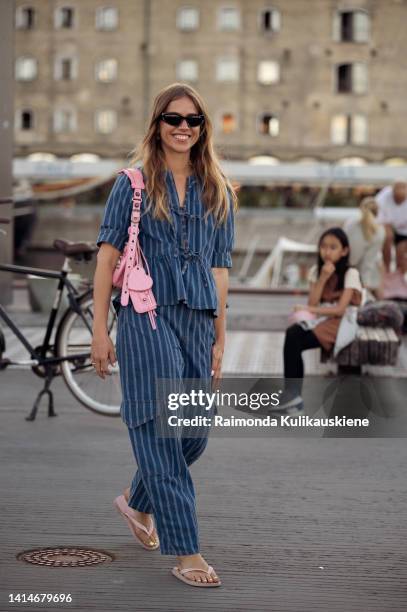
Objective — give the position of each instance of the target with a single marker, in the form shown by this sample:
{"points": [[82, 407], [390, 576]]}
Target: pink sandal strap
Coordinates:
{"points": [[126, 510], [140, 525], [209, 571]]}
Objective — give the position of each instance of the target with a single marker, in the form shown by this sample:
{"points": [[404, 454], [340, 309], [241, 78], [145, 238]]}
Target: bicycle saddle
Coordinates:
{"points": [[69, 248]]}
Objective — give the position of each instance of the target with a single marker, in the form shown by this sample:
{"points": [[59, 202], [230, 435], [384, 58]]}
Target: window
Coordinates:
{"points": [[187, 70], [106, 70], [344, 78], [64, 120], [24, 120], [64, 17], [107, 18], [227, 69], [339, 129], [25, 16], [27, 120], [229, 19], [351, 26], [268, 72], [349, 129], [41, 157], [26, 68], [228, 123], [269, 125], [188, 18], [352, 78], [85, 158], [65, 68], [105, 121], [359, 78], [359, 129], [270, 20]]}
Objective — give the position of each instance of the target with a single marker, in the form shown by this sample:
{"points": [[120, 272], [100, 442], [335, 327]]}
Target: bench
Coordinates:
{"points": [[372, 345]]}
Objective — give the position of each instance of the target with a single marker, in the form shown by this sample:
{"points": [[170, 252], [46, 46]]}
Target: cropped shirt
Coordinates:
{"points": [[180, 254]]}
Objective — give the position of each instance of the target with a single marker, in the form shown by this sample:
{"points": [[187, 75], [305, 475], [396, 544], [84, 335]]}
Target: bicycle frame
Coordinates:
{"points": [[39, 357]]}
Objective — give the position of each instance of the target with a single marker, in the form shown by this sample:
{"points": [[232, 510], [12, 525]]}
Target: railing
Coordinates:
{"points": [[242, 290]]}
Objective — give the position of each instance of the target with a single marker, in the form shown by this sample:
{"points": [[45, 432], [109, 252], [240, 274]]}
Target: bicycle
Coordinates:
{"points": [[69, 354]]}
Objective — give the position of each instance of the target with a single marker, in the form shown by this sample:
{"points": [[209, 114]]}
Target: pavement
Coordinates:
{"points": [[310, 524], [289, 524]]}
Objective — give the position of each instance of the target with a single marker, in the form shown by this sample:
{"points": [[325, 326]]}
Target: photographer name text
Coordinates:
{"points": [[267, 421]]}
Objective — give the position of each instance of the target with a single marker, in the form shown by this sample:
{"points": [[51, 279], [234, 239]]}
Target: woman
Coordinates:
{"points": [[326, 320], [366, 239], [186, 234]]}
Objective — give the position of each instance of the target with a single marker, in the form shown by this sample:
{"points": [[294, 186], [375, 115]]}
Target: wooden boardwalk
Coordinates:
{"points": [[254, 344], [247, 352], [290, 524]]}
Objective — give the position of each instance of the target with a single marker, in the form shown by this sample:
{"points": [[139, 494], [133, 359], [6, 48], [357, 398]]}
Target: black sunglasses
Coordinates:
{"points": [[176, 119]]}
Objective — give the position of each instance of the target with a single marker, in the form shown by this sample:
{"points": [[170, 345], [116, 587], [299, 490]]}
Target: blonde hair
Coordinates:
{"points": [[369, 209], [203, 159]]}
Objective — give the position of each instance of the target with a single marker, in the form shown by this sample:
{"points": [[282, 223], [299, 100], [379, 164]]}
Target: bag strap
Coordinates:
{"points": [[135, 176], [133, 247]]}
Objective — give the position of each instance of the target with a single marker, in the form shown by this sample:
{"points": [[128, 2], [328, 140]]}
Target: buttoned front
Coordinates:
{"points": [[180, 254]]}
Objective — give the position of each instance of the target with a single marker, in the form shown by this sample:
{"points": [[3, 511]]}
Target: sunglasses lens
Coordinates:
{"points": [[195, 120], [176, 120]]}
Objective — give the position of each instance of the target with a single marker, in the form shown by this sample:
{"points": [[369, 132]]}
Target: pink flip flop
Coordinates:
{"points": [[127, 513], [180, 575]]}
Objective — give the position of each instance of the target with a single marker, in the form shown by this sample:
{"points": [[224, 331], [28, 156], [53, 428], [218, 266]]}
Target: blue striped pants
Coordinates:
{"points": [[180, 348], [163, 486]]}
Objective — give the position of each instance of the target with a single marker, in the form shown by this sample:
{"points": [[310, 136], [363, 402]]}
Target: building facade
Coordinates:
{"points": [[290, 79]]}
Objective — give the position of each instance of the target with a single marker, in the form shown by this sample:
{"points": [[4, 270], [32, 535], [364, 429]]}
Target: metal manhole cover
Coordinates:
{"points": [[65, 557]]}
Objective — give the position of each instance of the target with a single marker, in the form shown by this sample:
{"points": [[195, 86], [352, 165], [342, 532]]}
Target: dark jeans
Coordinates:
{"points": [[297, 340]]}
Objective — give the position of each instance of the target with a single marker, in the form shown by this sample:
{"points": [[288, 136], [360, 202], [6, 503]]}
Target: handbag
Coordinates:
{"points": [[130, 275], [383, 313], [297, 316]]}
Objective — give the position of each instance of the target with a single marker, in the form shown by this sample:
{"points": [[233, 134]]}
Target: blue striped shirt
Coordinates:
{"points": [[180, 254]]}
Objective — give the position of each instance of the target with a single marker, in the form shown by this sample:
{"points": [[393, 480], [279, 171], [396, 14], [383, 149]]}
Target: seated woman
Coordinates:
{"points": [[326, 321]]}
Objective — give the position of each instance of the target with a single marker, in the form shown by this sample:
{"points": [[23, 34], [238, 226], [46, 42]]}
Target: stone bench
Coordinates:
{"points": [[372, 345]]}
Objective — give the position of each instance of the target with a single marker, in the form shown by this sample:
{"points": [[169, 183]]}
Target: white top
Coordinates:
{"points": [[366, 255], [390, 212], [348, 325], [351, 281]]}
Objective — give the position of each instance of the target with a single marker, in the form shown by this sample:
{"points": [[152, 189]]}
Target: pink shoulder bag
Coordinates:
{"points": [[129, 273]]}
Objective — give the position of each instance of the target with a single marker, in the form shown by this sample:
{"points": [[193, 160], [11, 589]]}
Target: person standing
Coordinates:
{"points": [[187, 235], [366, 238], [392, 201]]}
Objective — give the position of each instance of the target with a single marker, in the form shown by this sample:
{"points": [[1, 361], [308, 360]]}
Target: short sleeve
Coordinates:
{"points": [[117, 213], [224, 241], [352, 279], [382, 199], [313, 274]]}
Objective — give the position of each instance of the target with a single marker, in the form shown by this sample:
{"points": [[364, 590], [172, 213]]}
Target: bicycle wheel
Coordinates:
{"points": [[74, 338]]}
